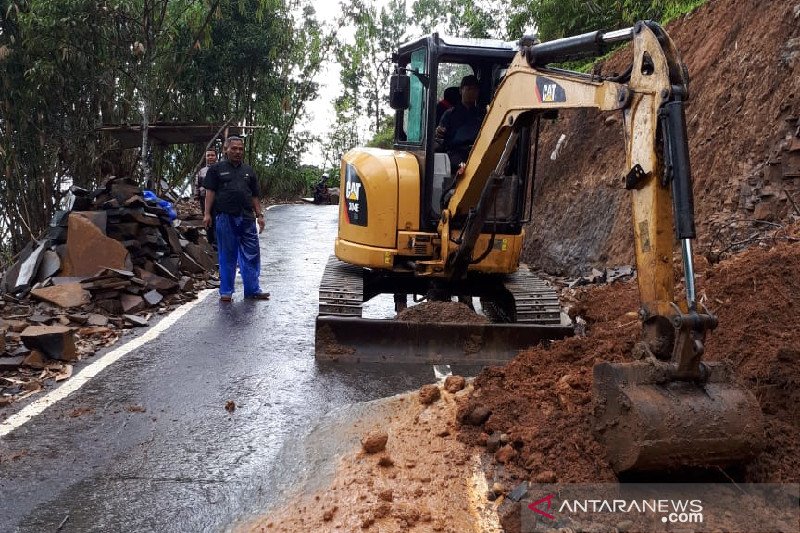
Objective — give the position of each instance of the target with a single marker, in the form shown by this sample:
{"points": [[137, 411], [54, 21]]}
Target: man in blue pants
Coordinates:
{"points": [[232, 195]]}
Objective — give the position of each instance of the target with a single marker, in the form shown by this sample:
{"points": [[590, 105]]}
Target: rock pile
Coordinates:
{"points": [[109, 261]]}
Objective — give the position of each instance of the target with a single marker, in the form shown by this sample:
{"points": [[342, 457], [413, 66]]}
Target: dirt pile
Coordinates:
{"points": [[542, 399], [423, 480], [755, 295], [744, 141], [442, 312]]}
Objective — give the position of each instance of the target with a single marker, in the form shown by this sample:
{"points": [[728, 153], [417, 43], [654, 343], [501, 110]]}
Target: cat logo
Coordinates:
{"points": [[351, 190], [548, 91], [355, 197]]}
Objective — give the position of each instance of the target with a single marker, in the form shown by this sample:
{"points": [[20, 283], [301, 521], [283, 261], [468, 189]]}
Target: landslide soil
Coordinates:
{"points": [[744, 101], [542, 399], [424, 480], [443, 312]]}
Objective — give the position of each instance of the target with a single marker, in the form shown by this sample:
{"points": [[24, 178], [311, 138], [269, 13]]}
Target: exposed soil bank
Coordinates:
{"points": [[742, 117], [542, 399]]}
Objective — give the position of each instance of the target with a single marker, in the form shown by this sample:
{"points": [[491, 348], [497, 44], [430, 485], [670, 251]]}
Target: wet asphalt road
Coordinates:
{"points": [[147, 444]]}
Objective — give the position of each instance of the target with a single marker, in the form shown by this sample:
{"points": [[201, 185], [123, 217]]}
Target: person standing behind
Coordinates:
{"points": [[200, 191], [450, 99], [232, 195]]}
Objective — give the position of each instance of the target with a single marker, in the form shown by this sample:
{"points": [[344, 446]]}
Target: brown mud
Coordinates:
{"points": [[442, 312], [424, 480], [542, 399]]}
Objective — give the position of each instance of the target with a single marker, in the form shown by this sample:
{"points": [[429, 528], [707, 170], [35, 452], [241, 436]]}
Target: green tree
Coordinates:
{"points": [[462, 18], [365, 63], [384, 137], [562, 18], [69, 66]]}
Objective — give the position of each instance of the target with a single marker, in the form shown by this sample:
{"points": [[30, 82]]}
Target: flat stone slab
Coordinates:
{"points": [[56, 342], [10, 362], [50, 265], [136, 321], [153, 297], [154, 281], [89, 250], [131, 303], [97, 320], [66, 296]]}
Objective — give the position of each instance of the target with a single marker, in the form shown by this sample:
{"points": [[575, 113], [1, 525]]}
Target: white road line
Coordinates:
{"points": [[76, 382]]}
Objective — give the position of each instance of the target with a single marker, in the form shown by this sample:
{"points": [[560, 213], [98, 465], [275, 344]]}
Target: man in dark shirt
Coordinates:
{"points": [[460, 124], [232, 195]]}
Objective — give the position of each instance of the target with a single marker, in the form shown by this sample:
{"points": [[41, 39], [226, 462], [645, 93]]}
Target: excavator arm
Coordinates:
{"points": [[651, 98], [672, 408]]}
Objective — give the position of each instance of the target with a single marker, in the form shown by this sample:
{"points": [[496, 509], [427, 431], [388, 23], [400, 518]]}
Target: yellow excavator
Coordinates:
{"points": [[403, 231]]}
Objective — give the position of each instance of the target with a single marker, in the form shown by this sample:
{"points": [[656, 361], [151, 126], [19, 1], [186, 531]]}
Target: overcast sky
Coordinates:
{"points": [[320, 113]]}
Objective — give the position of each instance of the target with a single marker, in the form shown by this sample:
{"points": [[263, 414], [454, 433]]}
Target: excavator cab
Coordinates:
{"points": [[428, 67], [389, 228]]}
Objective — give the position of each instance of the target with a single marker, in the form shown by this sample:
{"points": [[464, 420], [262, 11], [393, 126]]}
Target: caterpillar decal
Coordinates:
{"points": [[355, 197], [549, 91]]}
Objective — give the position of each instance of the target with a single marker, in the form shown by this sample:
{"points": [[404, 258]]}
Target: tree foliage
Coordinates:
{"points": [[384, 137], [69, 66], [562, 18], [462, 18], [364, 59]]}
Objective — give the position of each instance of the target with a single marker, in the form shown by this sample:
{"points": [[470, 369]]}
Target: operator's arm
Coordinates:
{"points": [[442, 128]]}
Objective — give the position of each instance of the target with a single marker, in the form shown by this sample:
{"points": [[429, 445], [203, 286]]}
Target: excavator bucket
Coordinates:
{"points": [[363, 340], [647, 420]]}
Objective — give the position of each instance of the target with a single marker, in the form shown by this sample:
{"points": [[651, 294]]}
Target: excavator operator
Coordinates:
{"points": [[460, 124]]}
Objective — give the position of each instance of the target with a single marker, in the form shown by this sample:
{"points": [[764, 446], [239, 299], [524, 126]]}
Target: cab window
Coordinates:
{"points": [[414, 116]]}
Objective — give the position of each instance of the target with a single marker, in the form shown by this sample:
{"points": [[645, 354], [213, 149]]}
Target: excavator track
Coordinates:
{"points": [[341, 290], [342, 334], [536, 301]]}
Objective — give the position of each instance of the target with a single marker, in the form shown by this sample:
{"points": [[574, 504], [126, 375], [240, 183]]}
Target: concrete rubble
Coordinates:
{"points": [[109, 263]]}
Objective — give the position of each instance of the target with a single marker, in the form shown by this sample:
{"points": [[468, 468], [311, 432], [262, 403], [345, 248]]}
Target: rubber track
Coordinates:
{"points": [[341, 290], [535, 299]]}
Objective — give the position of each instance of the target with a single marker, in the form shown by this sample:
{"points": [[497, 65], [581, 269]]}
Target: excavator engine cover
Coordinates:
{"points": [[649, 421]]}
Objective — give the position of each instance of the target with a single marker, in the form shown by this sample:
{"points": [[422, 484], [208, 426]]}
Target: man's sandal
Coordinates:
{"points": [[226, 298]]}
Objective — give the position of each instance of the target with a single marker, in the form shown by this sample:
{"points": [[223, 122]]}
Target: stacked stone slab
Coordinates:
{"points": [[113, 254]]}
